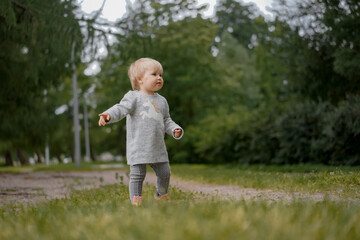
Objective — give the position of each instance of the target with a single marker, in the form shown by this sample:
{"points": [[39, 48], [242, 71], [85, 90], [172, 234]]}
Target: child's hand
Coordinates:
{"points": [[177, 133], [104, 118]]}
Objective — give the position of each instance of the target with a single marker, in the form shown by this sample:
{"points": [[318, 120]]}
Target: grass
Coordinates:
{"points": [[341, 181], [69, 167], [105, 213]]}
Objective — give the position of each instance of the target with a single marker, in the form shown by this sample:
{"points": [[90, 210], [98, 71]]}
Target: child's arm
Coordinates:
{"points": [[171, 127], [118, 111], [104, 118]]}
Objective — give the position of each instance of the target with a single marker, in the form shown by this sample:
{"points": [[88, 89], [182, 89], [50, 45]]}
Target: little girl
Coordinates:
{"points": [[147, 120]]}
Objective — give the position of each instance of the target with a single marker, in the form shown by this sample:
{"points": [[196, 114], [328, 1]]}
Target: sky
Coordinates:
{"points": [[115, 9]]}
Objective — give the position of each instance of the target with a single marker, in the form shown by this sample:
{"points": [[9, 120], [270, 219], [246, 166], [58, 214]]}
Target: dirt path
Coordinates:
{"points": [[33, 187]]}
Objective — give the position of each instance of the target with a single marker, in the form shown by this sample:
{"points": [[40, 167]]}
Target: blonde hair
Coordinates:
{"points": [[138, 68]]}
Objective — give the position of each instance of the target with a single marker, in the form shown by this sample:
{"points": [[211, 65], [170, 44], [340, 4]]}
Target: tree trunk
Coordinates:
{"points": [[39, 157], [21, 156], [72, 154], [58, 156], [93, 157], [8, 159]]}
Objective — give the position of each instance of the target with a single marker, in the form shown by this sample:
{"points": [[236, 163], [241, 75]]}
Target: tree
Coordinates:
{"points": [[242, 20], [189, 67], [34, 55], [240, 79], [323, 51]]}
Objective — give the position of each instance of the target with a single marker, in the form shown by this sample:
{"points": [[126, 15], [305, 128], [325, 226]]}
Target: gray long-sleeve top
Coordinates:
{"points": [[147, 120]]}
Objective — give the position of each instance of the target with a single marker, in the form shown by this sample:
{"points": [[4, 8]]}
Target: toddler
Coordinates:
{"points": [[147, 120]]}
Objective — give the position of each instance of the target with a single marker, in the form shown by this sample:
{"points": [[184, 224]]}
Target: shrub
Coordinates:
{"points": [[308, 132], [341, 133], [212, 138], [296, 130]]}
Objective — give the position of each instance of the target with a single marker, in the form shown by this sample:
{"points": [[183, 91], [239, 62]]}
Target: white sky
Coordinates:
{"points": [[115, 9]]}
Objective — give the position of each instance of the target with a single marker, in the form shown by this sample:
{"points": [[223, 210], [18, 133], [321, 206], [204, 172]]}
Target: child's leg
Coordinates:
{"points": [[137, 176], [163, 172]]}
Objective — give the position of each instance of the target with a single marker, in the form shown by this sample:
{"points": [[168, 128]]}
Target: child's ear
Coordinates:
{"points": [[139, 81]]}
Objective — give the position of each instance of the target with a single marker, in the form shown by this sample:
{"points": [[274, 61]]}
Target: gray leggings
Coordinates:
{"points": [[137, 176]]}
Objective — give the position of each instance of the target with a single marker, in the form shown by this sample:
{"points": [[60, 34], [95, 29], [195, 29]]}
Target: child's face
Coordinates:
{"points": [[151, 82]]}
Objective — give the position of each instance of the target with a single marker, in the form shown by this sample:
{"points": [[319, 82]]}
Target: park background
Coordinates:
{"points": [[246, 89], [270, 106]]}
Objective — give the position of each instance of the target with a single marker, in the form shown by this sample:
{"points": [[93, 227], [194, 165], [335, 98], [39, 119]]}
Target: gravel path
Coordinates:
{"points": [[33, 187]]}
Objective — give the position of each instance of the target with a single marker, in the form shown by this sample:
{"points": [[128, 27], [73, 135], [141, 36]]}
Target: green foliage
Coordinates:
{"points": [[308, 132], [211, 136], [322, 55], [240, 106], [242, 20], [255, 138], [341, 134], [299, 133], [342, 19], [280, 127], [245, 89], [273, 83], [320, 133], [189, 67], [36, 39], [295, 130], [239, 79]]}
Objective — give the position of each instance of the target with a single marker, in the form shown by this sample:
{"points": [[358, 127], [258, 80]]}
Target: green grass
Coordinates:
{"points": [[70, 167], [341, 181], [105, 213], [18, 169]]}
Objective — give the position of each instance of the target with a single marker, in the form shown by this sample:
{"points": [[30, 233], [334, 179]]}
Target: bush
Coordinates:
{"points": [[212, 138], [307, 132], [296, 130], [264, 143], [341, 133]]}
